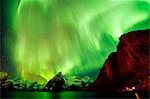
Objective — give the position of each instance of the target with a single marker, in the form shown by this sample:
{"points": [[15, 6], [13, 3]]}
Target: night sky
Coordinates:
{"points": [[43, 37]]}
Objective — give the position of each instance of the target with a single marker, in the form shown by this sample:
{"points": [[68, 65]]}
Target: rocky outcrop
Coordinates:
{"points": [[5, 83], [129, 66], [57, 83], [106, 80], [3, 76]]}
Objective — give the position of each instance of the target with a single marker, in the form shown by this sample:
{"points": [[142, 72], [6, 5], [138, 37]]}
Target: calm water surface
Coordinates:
{"points": [[59, 95]]}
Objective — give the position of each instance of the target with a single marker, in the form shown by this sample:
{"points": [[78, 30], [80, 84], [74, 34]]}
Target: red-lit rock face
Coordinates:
{"points": [[129, 66], [133, 52], [106, 77]]}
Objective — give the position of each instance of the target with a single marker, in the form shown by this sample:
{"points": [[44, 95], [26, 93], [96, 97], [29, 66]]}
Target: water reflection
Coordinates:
{"points": [[50, 95]]}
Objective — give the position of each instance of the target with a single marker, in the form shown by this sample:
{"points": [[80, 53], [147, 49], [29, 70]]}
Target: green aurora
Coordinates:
{"points": [[71, 36]]}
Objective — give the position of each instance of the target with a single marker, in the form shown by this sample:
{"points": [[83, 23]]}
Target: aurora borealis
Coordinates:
{"points": [[71, 36]]}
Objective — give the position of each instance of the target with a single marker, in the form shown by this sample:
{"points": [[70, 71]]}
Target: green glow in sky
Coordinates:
{"points": [[71, 36]]}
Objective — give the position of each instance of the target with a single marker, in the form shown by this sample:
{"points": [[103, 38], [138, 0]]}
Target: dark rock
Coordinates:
{"points": [[74, 88], [5, 83], [3, 76], [129, 66], [56, 84], [19, 84]]}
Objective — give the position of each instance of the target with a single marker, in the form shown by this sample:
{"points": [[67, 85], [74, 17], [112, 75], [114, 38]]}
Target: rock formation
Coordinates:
{"points": [[129, 66], [5, 83], [57, 83]]}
